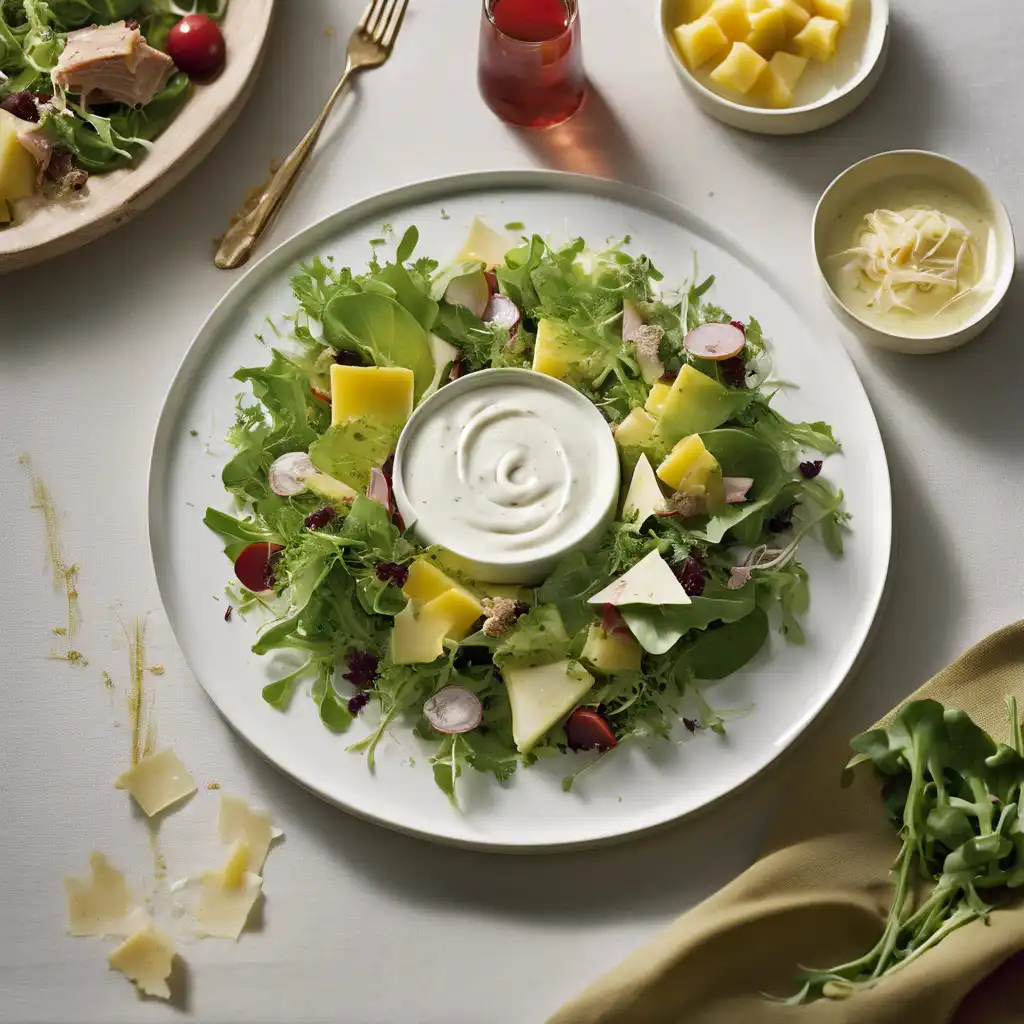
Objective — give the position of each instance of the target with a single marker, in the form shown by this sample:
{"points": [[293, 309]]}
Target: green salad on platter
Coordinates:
{"points": [[697, 567]]}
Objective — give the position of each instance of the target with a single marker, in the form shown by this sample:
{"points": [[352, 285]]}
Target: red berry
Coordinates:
{"points": [[196, 45], [587, 729], [810, 470], [361, 668], [254, 567], [320, 518]]}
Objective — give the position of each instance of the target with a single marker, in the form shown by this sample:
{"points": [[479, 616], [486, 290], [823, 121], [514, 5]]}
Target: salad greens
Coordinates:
{"points": [[954, 794], [341, 571]]}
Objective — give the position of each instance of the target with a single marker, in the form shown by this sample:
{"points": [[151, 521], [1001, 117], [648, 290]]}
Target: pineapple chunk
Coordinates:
{"points": [[817, 40], [691, 469], [694, 9], [789, 67], [756, 6], [732, 19], [656, 397], [771, 90], [768, 31], [740, 70], [18, 168], [836, 10], [381, 393], [700, 41], [459, 607], [418, 637], [426, 581], [554, 353], [5, 212], [611, 652], [796, 15], [635, 429]]}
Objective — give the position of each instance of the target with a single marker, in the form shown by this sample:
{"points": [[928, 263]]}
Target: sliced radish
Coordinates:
{"points": [[736, 488], [631, 320], [469, 290], [715, 341], [289, 473], [453, 710], [503, 311], [254, 567], [378, 489], [612, 622], [587, 729]]}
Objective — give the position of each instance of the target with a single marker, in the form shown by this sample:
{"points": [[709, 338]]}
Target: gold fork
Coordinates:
{"points": [[369, 46]]}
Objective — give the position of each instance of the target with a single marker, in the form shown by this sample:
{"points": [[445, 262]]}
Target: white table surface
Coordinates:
{"points": [[362, 925]]}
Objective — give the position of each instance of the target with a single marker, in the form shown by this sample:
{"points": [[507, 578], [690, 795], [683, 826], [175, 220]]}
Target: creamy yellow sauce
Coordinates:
{"points": [[933, 310]]}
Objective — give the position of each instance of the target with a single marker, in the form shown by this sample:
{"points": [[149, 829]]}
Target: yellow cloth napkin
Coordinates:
{"points": [[818, 895]]}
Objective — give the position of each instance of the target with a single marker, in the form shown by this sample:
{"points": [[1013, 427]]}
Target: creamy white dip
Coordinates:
{"points": [[509, 470]]}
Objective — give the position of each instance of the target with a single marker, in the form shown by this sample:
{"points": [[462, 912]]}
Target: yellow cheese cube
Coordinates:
{"points": [[459, 607], [18, 168], [383, 393], [635, 429], [796, 15], [691, 469], [554, 351], [767, 31], [789, 67], [771, 90], [836, 10], [426, 581], [817, 40], [740, 70], [418, 637], [700, 41], [732, 19], [656, 396]]}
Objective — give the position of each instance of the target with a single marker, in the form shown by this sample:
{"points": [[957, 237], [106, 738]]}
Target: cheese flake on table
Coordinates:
{"points": [[157, 781], [101, 904], [238, 822], [228, 896], [146, 957]]}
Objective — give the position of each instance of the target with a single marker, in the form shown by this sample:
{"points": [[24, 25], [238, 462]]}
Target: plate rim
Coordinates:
{"points": [[144, 188], [466, 183]]}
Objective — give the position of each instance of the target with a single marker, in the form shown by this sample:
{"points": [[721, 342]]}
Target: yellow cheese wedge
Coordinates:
{"points": [[541, 696], [484, 244], [656, 396], [382, 393], [611, 652], [817, 40], [700, 41], [227, 896], [147, 958], [157, 781], [426, 581], [18, 168], [635, 429], [554, 351], [740, 70], [417, 637], [691, 469], [459, 607]]}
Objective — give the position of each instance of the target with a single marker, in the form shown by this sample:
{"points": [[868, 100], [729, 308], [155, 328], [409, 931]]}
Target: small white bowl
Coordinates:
{"points": [[825, 94], [850, 197]]}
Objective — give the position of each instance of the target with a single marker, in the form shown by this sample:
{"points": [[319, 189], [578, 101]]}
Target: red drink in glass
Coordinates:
{"points": [[531, 61]]}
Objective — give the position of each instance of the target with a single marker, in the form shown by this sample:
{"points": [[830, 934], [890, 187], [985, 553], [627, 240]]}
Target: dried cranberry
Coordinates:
{"points": [[691, 725], [320, 518], [346, 357], [691, 575], [131, 24], [391, 572], [782, 520], [811, 469], [227, 614], [22, 105], [739, 325], [362, 668], [357, 703], [734, 371]]}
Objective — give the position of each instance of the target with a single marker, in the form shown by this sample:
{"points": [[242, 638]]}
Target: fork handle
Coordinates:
{"points": [[241, 237]]}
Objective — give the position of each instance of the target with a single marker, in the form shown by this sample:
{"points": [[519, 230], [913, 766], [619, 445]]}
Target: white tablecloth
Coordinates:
{"points": [[362, 925]]}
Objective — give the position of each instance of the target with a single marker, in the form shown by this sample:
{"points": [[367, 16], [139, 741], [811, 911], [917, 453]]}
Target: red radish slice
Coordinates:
{"points": [[492, 281], [612, 622], [631, 321], [453, 710], [471, 291], [715, 341], [288, 474], [378, 490], [324, 396], [254, 567], [736, 488], [587, 729], [502, 310]]}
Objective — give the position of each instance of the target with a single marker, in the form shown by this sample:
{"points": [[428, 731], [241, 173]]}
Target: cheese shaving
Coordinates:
{"points": [[157, 781], [146, 957], [905, 253], [237, 821], [101, 904], [227, 896]]}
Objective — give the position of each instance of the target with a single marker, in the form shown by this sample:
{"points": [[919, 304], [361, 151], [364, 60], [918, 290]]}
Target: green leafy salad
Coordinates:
{"points": [[697, 569]]}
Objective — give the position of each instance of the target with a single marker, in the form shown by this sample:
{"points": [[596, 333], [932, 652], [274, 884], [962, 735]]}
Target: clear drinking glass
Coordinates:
{"points": [[531, 61]]}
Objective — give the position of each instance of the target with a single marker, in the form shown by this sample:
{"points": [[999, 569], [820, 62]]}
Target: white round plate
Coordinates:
{"points": [[640, 785], [45, 229]]}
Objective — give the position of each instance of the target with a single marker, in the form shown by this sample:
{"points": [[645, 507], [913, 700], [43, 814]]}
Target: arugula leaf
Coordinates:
{"points": [[537, 638], [717, 653]]}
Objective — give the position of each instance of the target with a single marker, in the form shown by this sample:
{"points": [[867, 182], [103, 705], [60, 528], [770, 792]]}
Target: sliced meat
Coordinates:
{"points": [[112, 64]]}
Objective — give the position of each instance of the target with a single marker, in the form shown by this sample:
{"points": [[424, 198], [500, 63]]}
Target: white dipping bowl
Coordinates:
{"points": [[825, 93], [845, 198], [472, 428]]}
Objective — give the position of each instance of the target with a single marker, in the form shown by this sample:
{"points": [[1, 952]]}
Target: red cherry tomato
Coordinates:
{"points": [[587, 729], [196, 45], [254, 567]]}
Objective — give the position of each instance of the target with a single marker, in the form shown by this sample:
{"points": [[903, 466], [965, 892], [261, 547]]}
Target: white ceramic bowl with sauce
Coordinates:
{"points": [[826, 93], [903, 176], [509, 470]]}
